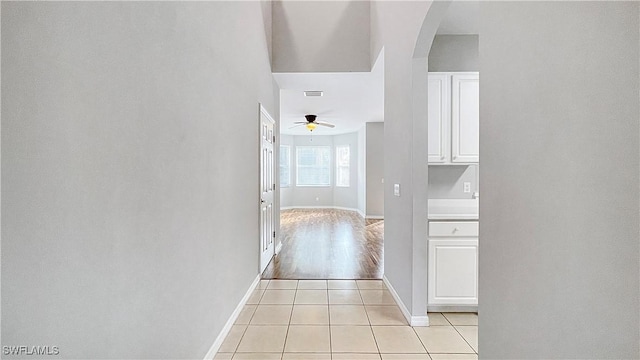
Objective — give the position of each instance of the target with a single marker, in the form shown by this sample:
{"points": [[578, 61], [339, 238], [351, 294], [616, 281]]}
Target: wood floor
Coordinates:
{"points": [[327, 244]]}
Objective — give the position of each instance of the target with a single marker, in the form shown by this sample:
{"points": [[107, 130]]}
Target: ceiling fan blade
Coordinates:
{"points": [[295, 126], [325, 124], [299, 122]]}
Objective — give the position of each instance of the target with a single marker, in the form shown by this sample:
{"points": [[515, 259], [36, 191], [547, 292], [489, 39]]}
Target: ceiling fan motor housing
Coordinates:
{"points": [[311, 118]]}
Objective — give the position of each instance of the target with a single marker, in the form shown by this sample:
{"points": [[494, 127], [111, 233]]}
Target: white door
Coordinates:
{"points": [[267, 189], [453, 272], [465, 118], [439, 117]]}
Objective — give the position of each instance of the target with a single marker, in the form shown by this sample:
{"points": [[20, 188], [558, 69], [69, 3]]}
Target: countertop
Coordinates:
{"points": [[453, 209]]}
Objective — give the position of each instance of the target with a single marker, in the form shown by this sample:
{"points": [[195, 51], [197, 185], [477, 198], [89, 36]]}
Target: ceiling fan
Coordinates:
{"points": [[311, 123]]}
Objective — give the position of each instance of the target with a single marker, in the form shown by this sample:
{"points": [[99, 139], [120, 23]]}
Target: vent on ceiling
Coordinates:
{"points": [[313, 93]]}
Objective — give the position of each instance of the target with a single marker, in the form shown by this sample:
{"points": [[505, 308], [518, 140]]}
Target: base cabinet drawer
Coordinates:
{"points": [[453, 272], [453, 228]]}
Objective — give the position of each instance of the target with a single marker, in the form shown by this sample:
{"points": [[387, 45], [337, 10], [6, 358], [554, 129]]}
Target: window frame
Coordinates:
{"points": [[297, 165], [288, 166], [347, 166]]}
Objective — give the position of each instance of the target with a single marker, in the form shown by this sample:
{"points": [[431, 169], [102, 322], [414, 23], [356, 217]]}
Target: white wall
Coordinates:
{"points": [[321, 36], [395, 27], [454, 53], [559, 138], [129, 173], [323, 196], [375, 169], [447, 181]]}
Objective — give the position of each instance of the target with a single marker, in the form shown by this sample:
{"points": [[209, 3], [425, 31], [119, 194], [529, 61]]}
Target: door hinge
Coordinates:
{"points": [[274, 234], [274, 139], [274, 186]]}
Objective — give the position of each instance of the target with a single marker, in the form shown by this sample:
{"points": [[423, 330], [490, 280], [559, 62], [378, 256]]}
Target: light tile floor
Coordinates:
{"points": [[342, 320]]}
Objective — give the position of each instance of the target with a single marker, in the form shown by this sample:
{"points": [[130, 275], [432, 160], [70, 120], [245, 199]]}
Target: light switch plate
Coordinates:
{"points": [[396, 189], [466, 187]]}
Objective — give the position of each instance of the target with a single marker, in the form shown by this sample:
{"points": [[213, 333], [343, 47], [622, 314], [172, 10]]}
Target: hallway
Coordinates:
{"points": [[342, 319], [327, 244]]}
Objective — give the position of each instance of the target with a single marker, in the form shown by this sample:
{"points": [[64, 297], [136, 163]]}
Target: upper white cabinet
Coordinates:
{"points": [[454, 118], [465, 116], [439, 117]]}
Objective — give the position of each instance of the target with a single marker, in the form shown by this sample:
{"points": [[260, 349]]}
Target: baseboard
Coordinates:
{"points": [[375, 217], [232, 319], [412, 320], [322, 207], [453, 308]]}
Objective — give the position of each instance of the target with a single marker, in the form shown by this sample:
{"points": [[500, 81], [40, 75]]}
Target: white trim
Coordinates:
{"points": [[376, 217], [213, 350], [412, 320], [288, 165], [452, 308], [338, 166], [279, 247], [420, 320]]}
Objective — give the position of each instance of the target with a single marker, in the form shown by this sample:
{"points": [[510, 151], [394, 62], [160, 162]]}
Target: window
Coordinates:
{"points": [[313, 166], [285, 165], [342, 166]]}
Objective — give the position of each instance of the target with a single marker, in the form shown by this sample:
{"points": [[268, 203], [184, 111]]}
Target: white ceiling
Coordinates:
{"points": [[461, 18], [349, 100]]}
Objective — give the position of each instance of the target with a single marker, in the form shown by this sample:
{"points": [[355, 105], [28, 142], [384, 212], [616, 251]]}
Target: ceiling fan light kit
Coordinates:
{"points": [[311, 123]]}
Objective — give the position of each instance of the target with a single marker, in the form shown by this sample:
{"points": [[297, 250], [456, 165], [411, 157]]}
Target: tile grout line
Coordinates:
{"points": [[247, 328], [456, 329], [329, 321], [293, 304], [375, 340], [465, 339], [421, 342]]}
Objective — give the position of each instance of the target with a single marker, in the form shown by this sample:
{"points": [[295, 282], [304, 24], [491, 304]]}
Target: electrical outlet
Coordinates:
{"points": [[396, 189], [466, 187]]}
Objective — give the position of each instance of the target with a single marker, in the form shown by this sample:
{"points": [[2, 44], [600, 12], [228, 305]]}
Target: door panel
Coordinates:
{"points": [[267, 189]]}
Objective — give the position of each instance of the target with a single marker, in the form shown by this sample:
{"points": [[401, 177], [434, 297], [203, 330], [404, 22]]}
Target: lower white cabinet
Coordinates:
{"points": [[453, 266]]}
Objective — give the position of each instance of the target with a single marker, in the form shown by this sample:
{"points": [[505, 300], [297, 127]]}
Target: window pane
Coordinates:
{"points": [[342, 165], [313, 165], [285, 166]]}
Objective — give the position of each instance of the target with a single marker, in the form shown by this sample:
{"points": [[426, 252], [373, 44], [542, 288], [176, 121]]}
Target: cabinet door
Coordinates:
{"points": [[453, 272], [439, 117], [465, 118]]}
